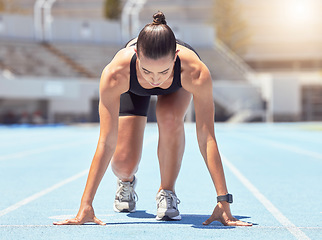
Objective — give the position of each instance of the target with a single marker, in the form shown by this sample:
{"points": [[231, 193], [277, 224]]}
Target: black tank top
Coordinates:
{"points": [[137, 89]]}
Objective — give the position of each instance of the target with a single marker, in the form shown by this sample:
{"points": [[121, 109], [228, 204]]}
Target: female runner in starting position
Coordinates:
{"points": [[154, 64]]}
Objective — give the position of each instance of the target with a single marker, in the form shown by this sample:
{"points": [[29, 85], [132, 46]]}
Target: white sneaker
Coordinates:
{"points": [[167, 206], [125, 197]]}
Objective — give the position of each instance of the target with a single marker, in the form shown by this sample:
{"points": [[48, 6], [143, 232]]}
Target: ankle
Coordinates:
{"points": [[128, 179], [164, 188]]}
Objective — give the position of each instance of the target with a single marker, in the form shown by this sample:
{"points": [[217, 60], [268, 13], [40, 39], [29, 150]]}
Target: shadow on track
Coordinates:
{"points": [[194, 220]]}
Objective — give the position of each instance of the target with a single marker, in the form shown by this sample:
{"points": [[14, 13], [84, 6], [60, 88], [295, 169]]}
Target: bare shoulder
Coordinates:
{"points": [[194, 73], [132, 41], [116, 74]]}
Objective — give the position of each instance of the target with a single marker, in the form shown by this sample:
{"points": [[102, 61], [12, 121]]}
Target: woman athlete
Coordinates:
{"points": [[154, 64]]}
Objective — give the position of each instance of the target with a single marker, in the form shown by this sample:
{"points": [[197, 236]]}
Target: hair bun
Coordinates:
{"points": [[159, 18]]}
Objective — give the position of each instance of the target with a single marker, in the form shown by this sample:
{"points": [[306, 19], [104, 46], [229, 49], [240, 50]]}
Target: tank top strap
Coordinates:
{"points": [[177, 72], [133, 78]]}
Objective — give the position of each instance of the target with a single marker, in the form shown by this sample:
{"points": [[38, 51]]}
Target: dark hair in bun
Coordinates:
{"points": [[156, 39], [159, 18]]}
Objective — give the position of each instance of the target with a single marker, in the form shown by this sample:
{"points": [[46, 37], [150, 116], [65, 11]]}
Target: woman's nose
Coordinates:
{"points": [[155, 79]]}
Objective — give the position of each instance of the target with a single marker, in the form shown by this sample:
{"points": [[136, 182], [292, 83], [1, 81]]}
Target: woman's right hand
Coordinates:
{"points": [[84, 215]]}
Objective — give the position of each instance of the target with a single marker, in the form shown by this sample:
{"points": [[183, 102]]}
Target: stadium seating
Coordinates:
{"points": [[312, 103], [26, 58]]}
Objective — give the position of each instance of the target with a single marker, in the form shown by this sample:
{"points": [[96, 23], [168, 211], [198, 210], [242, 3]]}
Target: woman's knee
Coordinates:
{"points": [[170, 122], [125, 164]]}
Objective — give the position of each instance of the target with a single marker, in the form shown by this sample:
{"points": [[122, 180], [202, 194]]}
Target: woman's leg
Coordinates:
{"points": [[170, 112], [129, 147], [126, 160]]}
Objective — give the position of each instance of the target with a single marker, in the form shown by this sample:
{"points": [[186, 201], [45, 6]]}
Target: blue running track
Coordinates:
{"points": [[273, 170]]}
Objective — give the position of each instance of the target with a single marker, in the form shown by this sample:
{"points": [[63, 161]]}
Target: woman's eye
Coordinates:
{"points": [[146, 72], [164, 73]]}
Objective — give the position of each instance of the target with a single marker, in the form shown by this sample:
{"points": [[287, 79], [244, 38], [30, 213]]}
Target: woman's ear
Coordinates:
{"points": [[176, 54], [136, 52]]}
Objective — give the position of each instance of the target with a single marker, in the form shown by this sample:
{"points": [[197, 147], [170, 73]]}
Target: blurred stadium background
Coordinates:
{"points": [[265, 57]]}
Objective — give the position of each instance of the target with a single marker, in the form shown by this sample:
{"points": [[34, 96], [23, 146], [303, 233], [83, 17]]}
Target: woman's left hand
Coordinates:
{"points": [[222, 214]]}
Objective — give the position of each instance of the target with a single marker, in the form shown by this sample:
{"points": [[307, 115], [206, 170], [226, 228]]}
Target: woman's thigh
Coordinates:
{"points": [[173, 107], [130, 136]]}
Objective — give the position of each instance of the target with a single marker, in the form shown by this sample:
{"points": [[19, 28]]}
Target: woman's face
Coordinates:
{"points": [[156, 72]]}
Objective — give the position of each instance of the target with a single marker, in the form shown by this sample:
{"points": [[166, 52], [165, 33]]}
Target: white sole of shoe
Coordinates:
{"points": [[117, 210], [167, 218]]}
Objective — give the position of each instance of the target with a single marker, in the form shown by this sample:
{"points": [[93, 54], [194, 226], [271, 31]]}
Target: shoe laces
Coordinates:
{"points": [[126, 192], [170, 198]]}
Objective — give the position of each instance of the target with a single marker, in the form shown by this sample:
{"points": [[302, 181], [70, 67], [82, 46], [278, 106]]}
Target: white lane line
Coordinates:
{"points": [[266, 203], [42, 193], [63, 217], [22, 226], [58, 185], [54, 147], [284, 146], [40, 150], [150, 221]]}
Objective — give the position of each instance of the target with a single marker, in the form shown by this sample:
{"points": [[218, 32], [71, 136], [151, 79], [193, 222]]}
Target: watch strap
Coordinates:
{"points": [[228, 198]]}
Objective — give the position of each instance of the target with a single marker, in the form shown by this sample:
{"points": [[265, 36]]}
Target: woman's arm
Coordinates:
{"points": [[111, 87], [108, 111], [201, 88], [204, 109]]}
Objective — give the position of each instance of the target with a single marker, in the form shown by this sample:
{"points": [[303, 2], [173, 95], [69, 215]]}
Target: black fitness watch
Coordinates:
{"points": [[228, 198]]}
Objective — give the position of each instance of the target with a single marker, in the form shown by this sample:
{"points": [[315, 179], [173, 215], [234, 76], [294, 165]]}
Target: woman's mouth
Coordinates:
{"points": [[155, 84]]}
